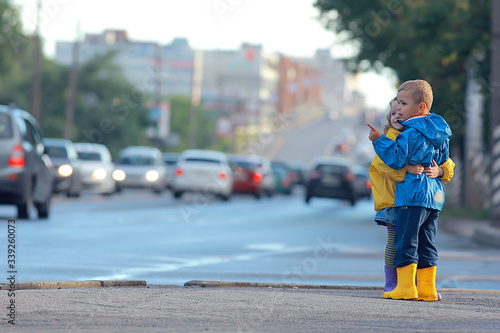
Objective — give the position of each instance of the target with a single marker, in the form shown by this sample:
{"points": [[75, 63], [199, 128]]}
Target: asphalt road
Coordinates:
{"points": [[141, 236]]}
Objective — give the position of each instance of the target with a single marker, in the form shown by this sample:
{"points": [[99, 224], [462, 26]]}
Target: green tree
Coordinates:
{"points": [[12, 40], [109, 110], [204, 122], [432, 40]]}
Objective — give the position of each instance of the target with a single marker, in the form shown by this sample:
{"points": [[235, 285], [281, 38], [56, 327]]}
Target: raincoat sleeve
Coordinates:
{"points": [[395, 154], [385, 171], [449, 169]]}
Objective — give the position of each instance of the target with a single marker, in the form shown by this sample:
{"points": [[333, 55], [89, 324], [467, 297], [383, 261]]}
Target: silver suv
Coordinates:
{"points": [[26, 172]]}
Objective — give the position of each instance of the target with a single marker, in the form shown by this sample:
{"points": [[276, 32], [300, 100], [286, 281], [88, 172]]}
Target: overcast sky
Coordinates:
{"points": [[283, 26]]}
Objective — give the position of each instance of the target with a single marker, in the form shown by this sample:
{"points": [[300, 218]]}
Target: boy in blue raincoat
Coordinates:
{"points": [[425, 141]]}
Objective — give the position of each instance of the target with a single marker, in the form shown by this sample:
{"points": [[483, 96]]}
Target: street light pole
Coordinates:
{"points": [[195, 96], [36, 100], [495, 115], [72, 89]]}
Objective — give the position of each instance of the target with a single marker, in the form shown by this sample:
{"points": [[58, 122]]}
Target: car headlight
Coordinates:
{"points": [[119, 175], [152, 175], [65, 170], [99, 174]]}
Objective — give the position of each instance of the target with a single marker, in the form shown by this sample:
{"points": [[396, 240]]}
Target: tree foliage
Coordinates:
{"points": [[431, 40], [108, 109], [12, 40], [204, 123]]}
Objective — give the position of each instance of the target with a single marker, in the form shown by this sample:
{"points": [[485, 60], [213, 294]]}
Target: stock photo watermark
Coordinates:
{"points": [[11, 271], [222, 7], [310, 264]]}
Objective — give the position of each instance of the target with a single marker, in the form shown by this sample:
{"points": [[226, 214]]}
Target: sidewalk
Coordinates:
{"points": [[479, 231], [235, 307]]}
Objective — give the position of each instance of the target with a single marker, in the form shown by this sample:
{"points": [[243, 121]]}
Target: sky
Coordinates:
{"points": [[285, 26]]}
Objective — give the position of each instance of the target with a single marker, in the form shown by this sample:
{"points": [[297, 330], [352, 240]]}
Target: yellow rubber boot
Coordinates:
{"points": [[405, 288], [426, 284]]}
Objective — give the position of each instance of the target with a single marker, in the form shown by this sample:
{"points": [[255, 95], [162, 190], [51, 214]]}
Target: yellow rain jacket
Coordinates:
{"points": [[383, 179]]}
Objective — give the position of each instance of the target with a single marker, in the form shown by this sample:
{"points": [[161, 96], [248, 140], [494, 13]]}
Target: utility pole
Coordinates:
{"points": [[195, 96], [495, 115], [73, 83], [36, 98], [157, 94]]}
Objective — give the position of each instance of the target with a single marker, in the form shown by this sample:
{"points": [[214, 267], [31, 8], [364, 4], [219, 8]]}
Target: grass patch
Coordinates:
{"points": [[482, 214]]}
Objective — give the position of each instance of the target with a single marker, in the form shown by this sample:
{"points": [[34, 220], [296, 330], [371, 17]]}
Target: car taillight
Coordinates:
{"points": [[315, 175], [16, 158], [292, 176], [223, 175], [369, 184], [257, 177], [349, 177], [179, 172], [285, 182]]}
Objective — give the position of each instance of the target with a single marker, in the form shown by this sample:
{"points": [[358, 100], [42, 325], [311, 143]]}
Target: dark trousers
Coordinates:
{"points": [[414, 241]]}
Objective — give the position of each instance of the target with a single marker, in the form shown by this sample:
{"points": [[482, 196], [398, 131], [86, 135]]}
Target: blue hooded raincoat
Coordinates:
{"points": [[426, 138]]}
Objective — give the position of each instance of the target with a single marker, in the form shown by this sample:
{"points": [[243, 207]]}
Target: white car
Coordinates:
{"points": [[140, 167], [203, 171], [96, 167]]}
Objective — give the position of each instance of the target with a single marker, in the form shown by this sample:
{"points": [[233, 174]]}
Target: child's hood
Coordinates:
{"points": [[433, 127]]}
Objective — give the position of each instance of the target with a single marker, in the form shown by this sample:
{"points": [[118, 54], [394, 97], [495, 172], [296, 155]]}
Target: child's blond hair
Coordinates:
{"points": [[420, 90], [388, 117]]}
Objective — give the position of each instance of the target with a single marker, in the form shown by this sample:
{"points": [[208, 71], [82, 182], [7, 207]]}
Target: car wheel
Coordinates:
{"points": [[308, 199], [24, 209], [352, 201], [158, 190], [225, 197], [43, 209], [70, 194], [258, 195], [177, 194]]}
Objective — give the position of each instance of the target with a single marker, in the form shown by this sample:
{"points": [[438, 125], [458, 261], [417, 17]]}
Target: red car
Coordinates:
{"points": [[252, 174]]}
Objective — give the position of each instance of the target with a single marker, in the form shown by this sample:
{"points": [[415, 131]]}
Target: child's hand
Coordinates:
{"points": [[434, 171], [415, 169], [374, 133]]}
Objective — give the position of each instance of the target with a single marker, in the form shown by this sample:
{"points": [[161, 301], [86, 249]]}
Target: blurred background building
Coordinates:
{"points": [[245, 88]]}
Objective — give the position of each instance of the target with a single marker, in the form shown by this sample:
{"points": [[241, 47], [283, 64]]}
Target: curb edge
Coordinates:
{"points": [[236, 284], [25, 285]]}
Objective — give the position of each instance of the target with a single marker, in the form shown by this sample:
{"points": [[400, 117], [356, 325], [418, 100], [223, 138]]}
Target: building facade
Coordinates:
{"points": [[148, 66]]}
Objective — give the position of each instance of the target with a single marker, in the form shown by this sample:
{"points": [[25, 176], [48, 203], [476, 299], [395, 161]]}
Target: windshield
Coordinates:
{"points": [[5, 126], [201, 159], [136, 160], [87, 156], [243, 164], [56, 152]]}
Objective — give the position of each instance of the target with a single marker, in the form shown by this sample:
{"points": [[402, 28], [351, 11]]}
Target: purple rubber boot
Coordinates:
{"points": [[391, 278]]}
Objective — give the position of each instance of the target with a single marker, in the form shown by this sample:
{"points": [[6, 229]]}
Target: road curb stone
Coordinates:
{"points": [[25, 285], [236, 284]]}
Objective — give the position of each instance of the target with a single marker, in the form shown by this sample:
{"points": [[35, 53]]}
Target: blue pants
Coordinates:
{"points": [[414, 241]]}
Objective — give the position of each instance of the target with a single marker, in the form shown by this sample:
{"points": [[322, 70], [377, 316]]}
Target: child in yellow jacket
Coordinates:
{"points": [[383, 182]]}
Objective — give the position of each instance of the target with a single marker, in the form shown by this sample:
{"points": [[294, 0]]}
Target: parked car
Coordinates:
{"points": [[362, 183], [170, 160], [26, 172], [283, 177], [96, 169], [205, 171], [252, 174], [65, 159], [298, 172], [140, 167], [332, 177]]}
